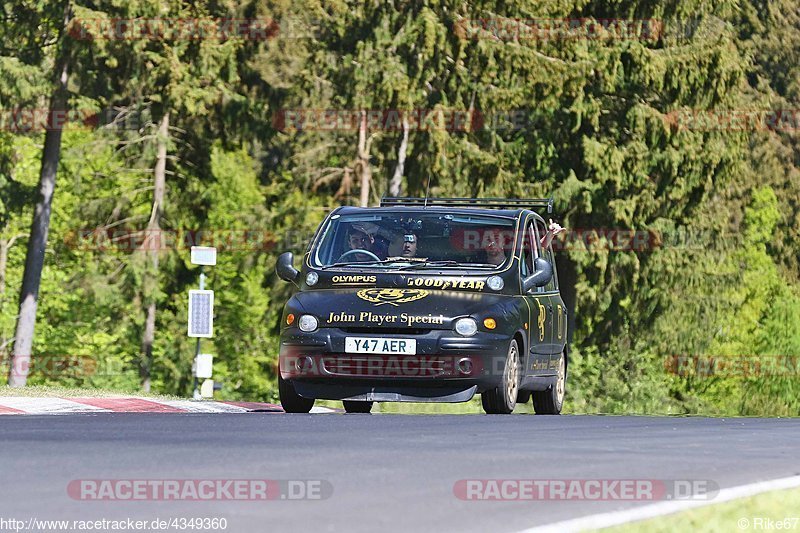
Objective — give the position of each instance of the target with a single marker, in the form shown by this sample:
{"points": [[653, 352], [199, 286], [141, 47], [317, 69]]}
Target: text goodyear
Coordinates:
{"points": [[444, 284]]}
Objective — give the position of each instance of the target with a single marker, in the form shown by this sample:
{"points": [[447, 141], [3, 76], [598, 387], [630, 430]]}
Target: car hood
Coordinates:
{"points": [[392, 308]]}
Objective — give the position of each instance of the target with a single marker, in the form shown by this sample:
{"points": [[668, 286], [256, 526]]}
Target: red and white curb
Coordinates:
{"points": [[18, 405]]}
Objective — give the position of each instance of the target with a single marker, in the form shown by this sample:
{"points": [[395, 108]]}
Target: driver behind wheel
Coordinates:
{"points": [[360, 238]]}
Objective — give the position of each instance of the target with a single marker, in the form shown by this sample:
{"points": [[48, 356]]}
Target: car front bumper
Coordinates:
{"points": [[446, 367]]}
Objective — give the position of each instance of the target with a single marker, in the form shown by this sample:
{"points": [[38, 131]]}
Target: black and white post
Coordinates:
{"points": [[201, 322]]}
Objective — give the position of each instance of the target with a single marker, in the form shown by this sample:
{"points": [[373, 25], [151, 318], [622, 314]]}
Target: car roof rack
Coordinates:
{"points": [[495, 203]]}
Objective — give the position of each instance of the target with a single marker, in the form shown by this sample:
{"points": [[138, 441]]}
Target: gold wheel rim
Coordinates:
{"points": [[562, 379], [512, 374]]}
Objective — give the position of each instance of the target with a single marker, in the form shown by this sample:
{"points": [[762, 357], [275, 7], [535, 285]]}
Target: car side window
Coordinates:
{"points": [[526, 265], [536, 243], [552, 285], [546, 254]]}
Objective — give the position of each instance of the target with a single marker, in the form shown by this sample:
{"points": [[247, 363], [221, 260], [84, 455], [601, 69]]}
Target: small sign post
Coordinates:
{"points": [[201, 321]]}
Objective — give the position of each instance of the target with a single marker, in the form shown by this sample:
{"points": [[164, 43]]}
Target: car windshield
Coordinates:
{"points": [[415, 240]]}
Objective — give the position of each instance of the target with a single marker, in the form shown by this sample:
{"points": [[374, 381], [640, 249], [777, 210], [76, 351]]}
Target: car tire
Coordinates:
{"points": [[355, 406], [550, 401], [503, 399], [290, 400]]}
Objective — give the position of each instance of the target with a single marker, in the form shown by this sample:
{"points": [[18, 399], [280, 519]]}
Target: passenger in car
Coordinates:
{"points": [[494, 247], [553, 229], [494, 243], [410, 241]]}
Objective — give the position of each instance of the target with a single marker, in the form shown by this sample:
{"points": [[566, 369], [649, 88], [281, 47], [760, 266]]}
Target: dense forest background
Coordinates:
{"points": [[177, 140]]}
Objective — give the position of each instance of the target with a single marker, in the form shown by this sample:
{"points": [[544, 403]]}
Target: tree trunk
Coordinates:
{"points": [[396, 183], [151, 245], [363, 160], [37, 243]]}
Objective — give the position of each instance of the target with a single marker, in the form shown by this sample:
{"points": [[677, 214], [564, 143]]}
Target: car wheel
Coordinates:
{"points": [[550, 401], [290, 400], [354, 406], [503, 399]]}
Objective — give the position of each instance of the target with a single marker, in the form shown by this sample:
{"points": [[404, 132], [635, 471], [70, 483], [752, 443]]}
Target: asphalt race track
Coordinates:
{"points": [[387, 472]]}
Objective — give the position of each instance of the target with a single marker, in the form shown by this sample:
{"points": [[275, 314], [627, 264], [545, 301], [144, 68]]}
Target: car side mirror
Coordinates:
{"points": [[543, 273], [285, 267]]}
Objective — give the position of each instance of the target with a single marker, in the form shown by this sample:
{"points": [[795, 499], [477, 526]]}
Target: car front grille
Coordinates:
{"points": [[412, 366]]}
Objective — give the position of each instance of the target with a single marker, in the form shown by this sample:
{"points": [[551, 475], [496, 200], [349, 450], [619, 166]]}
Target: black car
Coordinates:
{"points": [[426, 300]]}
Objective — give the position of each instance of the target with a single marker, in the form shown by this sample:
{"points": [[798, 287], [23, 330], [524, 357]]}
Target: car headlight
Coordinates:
{"points": [[495, 283], [466, 327], [307, 323], [312, 278]]}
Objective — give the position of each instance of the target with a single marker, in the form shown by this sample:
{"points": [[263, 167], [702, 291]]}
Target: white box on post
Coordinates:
{"points": [[204, 255], [203, 365]]}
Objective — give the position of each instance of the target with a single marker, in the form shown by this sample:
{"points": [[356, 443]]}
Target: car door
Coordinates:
{"points": [[538, 301], [548, 296], [559, 314]]}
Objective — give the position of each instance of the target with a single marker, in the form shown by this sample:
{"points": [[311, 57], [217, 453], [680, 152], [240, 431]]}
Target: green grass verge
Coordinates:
{"points": [[46, 391], [747, 514]]}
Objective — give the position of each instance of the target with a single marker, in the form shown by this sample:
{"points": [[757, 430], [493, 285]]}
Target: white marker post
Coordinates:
{"points": [[201, 321]]}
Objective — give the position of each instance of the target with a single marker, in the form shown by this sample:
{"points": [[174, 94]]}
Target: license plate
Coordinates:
{"points": [[380, 345]]}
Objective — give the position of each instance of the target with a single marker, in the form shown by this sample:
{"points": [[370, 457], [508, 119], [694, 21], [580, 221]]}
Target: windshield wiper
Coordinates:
{"points": [[423, 264], [448, 263]]}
